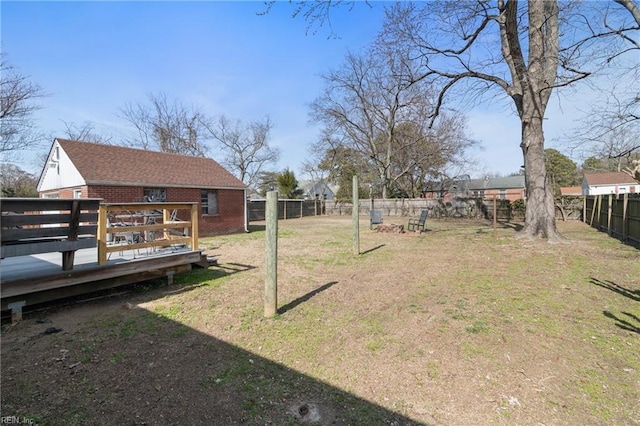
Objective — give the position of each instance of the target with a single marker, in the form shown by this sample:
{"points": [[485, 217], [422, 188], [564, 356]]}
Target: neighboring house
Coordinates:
{"points": [[571, 191], [504, 188], [118, 174], [319, 189], [609, 183]]}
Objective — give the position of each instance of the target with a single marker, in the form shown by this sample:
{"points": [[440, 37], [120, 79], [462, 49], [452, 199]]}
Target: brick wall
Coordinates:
{"points": [[229, 220], [116, 194]]}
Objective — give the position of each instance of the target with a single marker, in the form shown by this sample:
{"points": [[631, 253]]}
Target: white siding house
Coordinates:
{"points": [[609, 183]]}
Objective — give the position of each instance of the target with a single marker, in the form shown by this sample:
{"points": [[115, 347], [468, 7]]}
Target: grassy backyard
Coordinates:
{"points": [[458, 326]]}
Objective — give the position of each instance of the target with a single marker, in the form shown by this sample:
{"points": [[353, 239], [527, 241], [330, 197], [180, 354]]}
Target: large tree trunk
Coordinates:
{"points": [[533, 81], [540, 213]]}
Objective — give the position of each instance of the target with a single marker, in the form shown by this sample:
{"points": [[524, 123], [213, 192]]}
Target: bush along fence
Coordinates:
{"points": [[617, 215]]}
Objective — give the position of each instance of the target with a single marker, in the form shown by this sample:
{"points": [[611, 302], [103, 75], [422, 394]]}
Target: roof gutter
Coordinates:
{"points": [[164, 185]]}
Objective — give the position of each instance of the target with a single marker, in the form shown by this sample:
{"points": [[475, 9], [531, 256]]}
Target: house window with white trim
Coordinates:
{"points": [[209, 202], [503, 194]]}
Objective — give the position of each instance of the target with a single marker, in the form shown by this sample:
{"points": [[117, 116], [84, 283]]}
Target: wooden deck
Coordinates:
{"points": [[135, 242], [30, 280]]}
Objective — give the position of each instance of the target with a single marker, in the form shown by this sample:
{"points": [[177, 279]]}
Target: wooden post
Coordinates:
{"points": [[102, 235], [593, 208], [625, 217], [356, 217], [609, 214], [194, 226], [271, 256], [74, 224], [495, 215], [584, 209]]}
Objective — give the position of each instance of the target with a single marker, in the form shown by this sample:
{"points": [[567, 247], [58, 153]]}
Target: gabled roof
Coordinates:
{"points": [[571, 190], [608, 178], [497, 183], [487, 183], [116, 165]]}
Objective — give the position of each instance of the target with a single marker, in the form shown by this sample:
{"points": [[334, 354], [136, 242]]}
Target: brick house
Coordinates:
{"points": [[118, 174], [510, 188]]}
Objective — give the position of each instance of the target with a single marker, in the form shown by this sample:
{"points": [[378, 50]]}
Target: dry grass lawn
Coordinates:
{"points": [[458, 326]]}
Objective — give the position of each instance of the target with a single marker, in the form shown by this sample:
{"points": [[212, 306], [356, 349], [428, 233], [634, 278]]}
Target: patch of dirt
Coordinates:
{"points": [[460, 325]]}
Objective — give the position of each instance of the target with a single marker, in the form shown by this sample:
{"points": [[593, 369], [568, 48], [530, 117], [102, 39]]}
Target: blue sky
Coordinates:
{"points": [[94, 57]]}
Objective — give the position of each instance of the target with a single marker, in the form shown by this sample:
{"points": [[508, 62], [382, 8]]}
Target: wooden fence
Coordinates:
{"points": [[618, 216], [287, 209], [570, 208]]}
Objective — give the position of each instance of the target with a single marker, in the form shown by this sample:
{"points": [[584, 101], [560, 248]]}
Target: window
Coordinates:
{"points": [[77, 193], [503, 194], [209, 202], [155, 195]]}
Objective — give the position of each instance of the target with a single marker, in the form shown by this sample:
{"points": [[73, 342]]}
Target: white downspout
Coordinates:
{"points": [[246, 212]]}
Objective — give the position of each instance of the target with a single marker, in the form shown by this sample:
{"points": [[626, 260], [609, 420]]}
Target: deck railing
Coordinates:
{"points": [[135, 226]]}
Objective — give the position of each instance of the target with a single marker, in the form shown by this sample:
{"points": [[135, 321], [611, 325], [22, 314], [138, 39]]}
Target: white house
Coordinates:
{"points": [[609, 183]]}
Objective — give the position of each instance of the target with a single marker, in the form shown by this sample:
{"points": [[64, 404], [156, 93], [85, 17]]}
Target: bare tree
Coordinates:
{"points": [[17, 95], [245, 146], [371, 106], [15, 182], [474, 50], [167, 126], [610, 126], [85, 132], [633, 170]]}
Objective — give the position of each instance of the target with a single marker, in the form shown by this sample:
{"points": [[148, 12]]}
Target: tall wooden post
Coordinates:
{"points": [[102, 235], [356, 217], [271, 256], [495, 214], [194, 226], [609, 214], [625, 217]]}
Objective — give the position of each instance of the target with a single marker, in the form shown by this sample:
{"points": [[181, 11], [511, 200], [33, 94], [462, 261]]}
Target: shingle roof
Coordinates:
{"points": [[497, 183], [608, 178], [571, 190], [116, 165]]}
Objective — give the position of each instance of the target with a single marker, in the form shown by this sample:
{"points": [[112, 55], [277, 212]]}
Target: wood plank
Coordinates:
{"points": [[147, 206], [46, 247], [20, 219], [31, 285], [151, 227], [156, 243], [43, 204], [15, 235], [91, 286]]}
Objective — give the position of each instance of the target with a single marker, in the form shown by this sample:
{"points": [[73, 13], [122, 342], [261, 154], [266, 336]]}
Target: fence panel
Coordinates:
{"points": [[617, 215], [287, 209]]}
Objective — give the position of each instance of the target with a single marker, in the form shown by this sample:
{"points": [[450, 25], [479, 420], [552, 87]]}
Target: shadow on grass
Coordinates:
{"points": [[200, 277], [632, 322], [372, 249], [141, 366], [623, 323], [516, 226], [304, 298], [610, 285]]}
